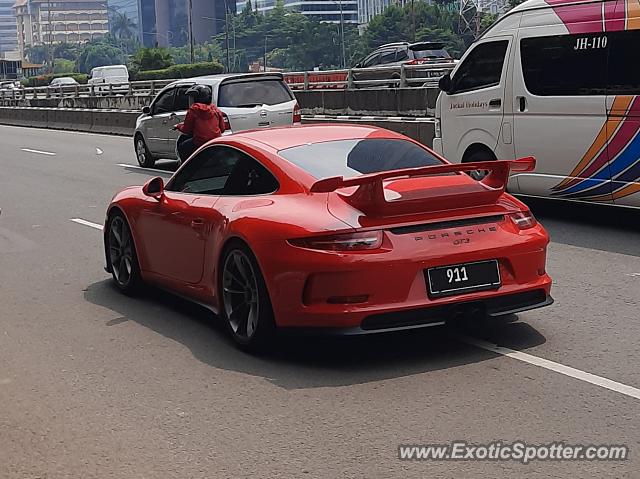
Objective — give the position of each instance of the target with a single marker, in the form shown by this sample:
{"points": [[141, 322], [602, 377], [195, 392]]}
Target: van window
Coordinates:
{"points": [[624, 68], [482, 68], [247, 94], [565, 65]]}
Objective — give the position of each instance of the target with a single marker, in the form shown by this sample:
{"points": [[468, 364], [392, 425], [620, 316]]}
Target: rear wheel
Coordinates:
{"points": [[246, 307], [144, 156], [122, 255], [479, 155]]}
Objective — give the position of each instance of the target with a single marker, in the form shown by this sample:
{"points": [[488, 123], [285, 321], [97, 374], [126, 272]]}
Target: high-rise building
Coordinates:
{"points": [[125, 12], [42, 22], [324, 10], [8, 32]]}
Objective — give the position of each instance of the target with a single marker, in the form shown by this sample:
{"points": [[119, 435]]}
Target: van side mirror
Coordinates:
{"points": [[154, 188], [146, 110], [445, 83]]}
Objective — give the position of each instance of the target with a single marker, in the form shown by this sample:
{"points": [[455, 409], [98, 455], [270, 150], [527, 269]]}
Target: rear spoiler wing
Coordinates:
{"points": [[370, 193]]}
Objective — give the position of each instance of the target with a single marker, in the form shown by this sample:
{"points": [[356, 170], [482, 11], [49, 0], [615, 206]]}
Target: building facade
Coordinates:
{"points": [[43, 22], [130, 9], [332, 11], [8, 32]]}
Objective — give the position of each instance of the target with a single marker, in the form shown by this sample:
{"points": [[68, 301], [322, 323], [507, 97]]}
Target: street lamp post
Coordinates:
{"points": [[191, 30], [344, 56]]}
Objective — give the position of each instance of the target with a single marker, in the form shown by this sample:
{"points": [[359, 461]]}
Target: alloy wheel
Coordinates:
{"points": [[120, 250], [240, 294]]}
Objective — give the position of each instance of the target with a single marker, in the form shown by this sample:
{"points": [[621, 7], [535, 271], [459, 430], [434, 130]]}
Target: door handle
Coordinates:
{"points": [[495, 103], [522, 103]]}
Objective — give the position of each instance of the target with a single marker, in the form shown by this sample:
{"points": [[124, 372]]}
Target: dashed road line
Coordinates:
{"points": [[38, 152], [556, 367], [150, 170], [80, 221]]}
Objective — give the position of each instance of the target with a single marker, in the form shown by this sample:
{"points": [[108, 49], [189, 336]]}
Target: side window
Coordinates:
{"points": [[371, 60], [482, 68], [624, 71], [402, 54], [181, 102], [387, 57], [164, 102], [250, 178], [220, 170], [566, 65]]}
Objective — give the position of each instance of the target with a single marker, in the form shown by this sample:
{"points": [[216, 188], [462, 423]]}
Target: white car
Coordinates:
{"points": [[558, 81], [248, 101]]}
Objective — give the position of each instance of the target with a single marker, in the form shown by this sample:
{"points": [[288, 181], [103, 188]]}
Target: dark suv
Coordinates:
{"points": [[397, 54]]}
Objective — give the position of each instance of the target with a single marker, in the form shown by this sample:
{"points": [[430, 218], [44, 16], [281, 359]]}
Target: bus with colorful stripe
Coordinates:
{"points": [[558, 80]]}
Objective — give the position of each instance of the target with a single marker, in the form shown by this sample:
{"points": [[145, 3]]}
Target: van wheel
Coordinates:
{"points": [[475, 156], [145, 159]]}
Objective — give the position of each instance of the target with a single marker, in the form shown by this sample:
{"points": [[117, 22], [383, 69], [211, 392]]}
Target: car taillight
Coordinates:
{"points": [[523, 219], [297, 116], [416, 61], [366, 240], [227, 123]]}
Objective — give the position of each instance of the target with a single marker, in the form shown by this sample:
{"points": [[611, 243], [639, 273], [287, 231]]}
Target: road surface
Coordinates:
{"points": [[97, 384]]}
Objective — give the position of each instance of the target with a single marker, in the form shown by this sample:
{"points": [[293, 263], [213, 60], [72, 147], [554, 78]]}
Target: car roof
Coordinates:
{"points": [[281, 138], [213, 80]]}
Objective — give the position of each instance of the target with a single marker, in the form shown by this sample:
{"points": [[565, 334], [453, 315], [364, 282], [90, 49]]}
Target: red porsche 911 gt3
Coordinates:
{"points": [[350, 228]]}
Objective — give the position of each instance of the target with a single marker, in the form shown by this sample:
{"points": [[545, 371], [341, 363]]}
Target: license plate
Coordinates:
{"points": [[463, 278]]}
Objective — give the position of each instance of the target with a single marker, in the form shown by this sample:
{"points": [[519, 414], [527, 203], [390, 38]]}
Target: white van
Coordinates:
{"points": [[115, 75], [558, 80]]}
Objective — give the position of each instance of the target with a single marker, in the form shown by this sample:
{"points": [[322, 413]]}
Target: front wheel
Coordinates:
{"points": [[246, 307], [145, 159], [123, 259]]}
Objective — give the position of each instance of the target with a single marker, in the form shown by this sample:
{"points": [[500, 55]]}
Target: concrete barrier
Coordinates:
{"points": [[116, 122], [113, 122], [422, 130]]}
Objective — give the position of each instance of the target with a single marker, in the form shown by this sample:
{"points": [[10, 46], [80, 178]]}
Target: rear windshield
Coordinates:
{"points": [[427, 54], [252, 93], [348, 158]]}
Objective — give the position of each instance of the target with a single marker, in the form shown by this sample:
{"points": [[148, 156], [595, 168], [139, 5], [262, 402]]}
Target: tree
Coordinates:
{"points": [[68, 51], [122, 27], [152, 59], [99, 54], [62, 65], [36, 53]]}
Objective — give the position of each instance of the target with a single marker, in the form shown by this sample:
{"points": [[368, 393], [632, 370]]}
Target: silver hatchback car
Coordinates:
{"points": [[248, 101]]}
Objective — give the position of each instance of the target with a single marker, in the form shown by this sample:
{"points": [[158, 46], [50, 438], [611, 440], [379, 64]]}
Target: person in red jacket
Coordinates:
{"points": [[203, 122]]}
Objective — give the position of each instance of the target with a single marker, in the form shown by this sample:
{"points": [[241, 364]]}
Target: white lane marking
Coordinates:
{"points": [[38, 152], [556, 367], [99, 151], [136, 167], [80, 221], [633, 275]]}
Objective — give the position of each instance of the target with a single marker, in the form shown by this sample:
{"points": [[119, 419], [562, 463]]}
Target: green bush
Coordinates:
{"points": [[44, 80], [181, 71]]}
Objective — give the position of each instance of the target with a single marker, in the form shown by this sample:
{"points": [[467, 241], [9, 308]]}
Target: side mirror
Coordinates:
{"points": [[445, 83], [154, 188], [146, 110]]}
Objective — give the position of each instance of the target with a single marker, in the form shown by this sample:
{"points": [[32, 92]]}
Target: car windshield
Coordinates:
{"points": [[247, 94], [427, 54], [350, 158]]}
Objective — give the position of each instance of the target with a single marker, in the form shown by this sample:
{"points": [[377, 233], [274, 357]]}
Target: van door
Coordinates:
{"points": [[473, 109], [559, 88], [623, 107]]}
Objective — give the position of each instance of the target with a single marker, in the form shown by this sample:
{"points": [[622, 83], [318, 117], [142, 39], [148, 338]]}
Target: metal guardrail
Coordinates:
{"points": [[399, 76], [136, 88]]}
